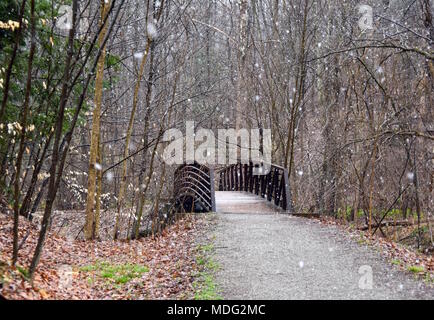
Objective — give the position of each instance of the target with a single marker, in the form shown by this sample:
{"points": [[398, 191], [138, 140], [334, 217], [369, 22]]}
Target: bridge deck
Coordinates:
{"points": [[242, 202]]}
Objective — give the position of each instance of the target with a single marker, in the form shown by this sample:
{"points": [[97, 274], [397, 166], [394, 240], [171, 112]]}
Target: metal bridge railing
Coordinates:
{"points": [[273, 186], [194, 183]]}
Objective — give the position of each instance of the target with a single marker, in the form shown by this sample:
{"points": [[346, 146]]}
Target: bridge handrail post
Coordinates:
{"points": [[236, 177], [257, 184], [269, 186], [246, 178], [212, 189], [240, 176], [233, 178], [287, 203], [263, 186], [275, 192]]}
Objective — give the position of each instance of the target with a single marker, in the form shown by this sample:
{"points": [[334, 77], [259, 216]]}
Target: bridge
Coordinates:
{"points": [[265, 256], [239, 189]]}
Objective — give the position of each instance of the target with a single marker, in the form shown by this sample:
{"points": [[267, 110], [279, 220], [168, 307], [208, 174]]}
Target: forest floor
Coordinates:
{"points": [[163, 267], [275, 256], [213, 256]]}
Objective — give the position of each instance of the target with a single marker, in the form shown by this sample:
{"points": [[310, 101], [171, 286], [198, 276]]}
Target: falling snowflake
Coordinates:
{"points": [[138, 55], [152, 30], [410, 176]]}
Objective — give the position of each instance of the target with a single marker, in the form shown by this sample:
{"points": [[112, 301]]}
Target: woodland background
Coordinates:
{"points": [[83, 110]]}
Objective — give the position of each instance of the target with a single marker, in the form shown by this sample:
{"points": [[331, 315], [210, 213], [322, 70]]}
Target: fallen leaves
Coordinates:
{"points": [[169, 260], [44, 294], [400, 255]]}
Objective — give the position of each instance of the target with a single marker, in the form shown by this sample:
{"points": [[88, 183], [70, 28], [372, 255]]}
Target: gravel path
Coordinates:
{"points": [[275, 256]]}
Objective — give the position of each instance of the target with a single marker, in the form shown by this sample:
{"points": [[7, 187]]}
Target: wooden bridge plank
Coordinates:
{"points": [[243, 202]]}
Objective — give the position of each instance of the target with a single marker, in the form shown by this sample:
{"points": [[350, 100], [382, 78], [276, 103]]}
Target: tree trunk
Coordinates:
{"points": [[23, 132], [52, 190], [94, 142]]}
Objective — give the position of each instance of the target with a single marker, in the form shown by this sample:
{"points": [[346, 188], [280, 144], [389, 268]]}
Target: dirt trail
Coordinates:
{"points": [[275, 256]]}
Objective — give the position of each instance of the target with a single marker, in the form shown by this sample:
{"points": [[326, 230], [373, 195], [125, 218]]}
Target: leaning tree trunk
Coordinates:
{"points": [[24, 116], [52, 191]]}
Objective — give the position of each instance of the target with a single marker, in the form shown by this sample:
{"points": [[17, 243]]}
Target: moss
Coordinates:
{"points": [[396, 262], [207, 289], [117, 273], [205, 286], [206, 248], [24, 272], [429, 278], [200, 261], [416, 269]]}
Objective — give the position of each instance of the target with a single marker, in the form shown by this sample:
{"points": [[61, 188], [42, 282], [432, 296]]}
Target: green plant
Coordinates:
{"points": [[205, 285], [23, 271], [201, 261], [416, 269], [396, 262], [206, 289], [117, 273], [212, 265], [428, 278]]}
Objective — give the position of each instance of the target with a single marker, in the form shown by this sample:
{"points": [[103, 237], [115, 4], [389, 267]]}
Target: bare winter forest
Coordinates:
{"points": [[88, 89]]}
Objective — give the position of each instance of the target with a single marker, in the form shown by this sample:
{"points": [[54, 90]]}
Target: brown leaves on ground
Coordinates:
{"points": [[67, 267], [398, 254]]}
